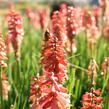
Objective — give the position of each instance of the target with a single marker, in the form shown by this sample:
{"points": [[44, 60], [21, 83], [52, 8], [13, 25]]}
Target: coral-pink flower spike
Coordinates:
{"points": [[3, 57], [15, 32], [91, 100], [52, 94]]}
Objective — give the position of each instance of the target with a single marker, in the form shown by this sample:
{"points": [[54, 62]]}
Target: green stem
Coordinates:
{"points": [[19, 68], [78, 67], [9, 69], [17, 77]]}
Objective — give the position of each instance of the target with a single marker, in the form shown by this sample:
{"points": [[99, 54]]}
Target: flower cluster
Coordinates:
{"points": [[91, 26], [96, 13], [38, 18], [3, 57], [75, 23], [71, 26], [44, 17], [49, 89], [15, 32], [87, 19], [5, 87], [91, 100], [33, 18], [72, 23]]}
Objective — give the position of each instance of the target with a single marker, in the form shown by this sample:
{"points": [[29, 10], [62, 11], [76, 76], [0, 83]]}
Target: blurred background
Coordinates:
{"points": [[21, 4], [80, 2]]}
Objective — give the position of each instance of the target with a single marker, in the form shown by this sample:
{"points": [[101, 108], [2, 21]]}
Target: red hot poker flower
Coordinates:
{"points": [[15, 32], [63, 11], [9, 45], [91, 100], [52, 94], [44, 17], [93, 33], [33, 17], [87, 19], [54, 50], [96, 13], [72, 24], [3, 57], [58, 26], [54, 63], [72, 28], [47, 92]]}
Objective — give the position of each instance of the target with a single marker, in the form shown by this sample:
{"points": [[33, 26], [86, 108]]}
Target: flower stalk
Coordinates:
{"points": [[15, 32], [3, 58], [15, 36], [91, 100], [48, 91]]}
